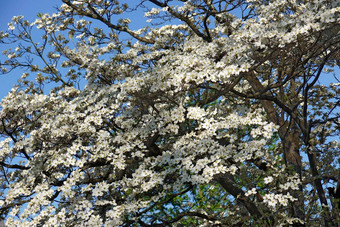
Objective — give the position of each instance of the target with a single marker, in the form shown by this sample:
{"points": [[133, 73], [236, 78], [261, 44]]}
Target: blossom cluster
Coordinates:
{"points": [[163, 111]]}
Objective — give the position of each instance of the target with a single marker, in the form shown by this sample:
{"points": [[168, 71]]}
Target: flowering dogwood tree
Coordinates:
{"points": [[220, 112]]}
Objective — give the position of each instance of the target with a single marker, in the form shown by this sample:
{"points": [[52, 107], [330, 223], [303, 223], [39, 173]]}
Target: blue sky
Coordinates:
{"points": [[29, 9]]}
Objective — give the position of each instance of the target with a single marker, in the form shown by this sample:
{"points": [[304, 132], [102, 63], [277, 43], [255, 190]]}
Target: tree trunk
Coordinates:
{"points": [[290, 140]]}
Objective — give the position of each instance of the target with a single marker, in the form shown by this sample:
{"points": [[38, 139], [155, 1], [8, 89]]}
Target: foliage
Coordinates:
{"points": [[220, 112]]}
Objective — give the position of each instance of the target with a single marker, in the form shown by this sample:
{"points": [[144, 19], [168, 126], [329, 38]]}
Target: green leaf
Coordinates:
{"points": [[71, 34]]}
